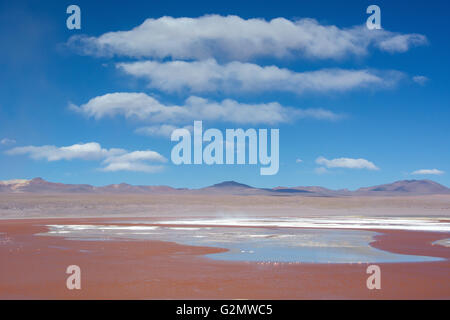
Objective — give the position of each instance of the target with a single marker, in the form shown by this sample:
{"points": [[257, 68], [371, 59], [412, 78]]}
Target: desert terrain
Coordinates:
{"points": [[32, 205], [33, 261]]}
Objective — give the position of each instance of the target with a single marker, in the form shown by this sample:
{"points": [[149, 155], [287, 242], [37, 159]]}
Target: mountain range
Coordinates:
{"points": [[404, 187]]}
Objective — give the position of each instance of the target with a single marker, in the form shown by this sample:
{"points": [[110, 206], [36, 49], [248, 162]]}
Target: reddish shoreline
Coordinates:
{"points": [[33, 267]]}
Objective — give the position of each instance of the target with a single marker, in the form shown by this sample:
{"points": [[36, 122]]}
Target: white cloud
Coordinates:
{"points": [[428, 171], [232, 37], [85, 151], [144, 107], [320, 170], [318, 114], [347, 163], [131, 166], [209, 76], [113, 159], [163, 130], [134, 161], [7, 141], [401, 43], [136, 156], [298, 161], [422, 80]]}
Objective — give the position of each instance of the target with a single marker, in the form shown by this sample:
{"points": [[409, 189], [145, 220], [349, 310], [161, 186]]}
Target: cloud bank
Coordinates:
{"points": [[209, 76], [145, 107], [234, 38], [113, 159]]}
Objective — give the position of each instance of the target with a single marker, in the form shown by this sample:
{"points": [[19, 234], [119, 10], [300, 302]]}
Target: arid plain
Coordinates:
{"points": [[33, 261]]}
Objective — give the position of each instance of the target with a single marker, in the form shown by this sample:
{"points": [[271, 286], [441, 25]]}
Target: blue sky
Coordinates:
{"points": [[385, 95]]}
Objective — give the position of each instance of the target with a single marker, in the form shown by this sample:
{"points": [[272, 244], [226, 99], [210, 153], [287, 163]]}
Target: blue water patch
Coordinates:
{"points": [[253, 244], [306, 254]]}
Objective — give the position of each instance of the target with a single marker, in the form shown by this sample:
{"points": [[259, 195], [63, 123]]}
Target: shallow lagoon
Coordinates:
{"points": [[272, 244]]}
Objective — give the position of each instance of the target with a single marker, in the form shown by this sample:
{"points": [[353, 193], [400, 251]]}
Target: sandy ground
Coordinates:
{"points": [[39, 206], [33, 267]]}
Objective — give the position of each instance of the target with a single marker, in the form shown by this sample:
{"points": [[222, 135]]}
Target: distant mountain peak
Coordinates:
{"points": [[228, 184], [408, 186]]}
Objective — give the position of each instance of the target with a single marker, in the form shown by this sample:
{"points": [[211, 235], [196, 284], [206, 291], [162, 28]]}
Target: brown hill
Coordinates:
{"points": [[405, 187]]}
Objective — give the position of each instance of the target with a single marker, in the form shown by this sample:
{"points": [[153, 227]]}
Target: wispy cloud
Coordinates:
{"points": [[231, 37], [7, 141], [84, 151], [422, 80], [320, 170], [134, 161], [144, 107], [347, 163], [317, 114], [428, 171], [164, 130], [209, 76], [113, 159], [401, 42]]}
